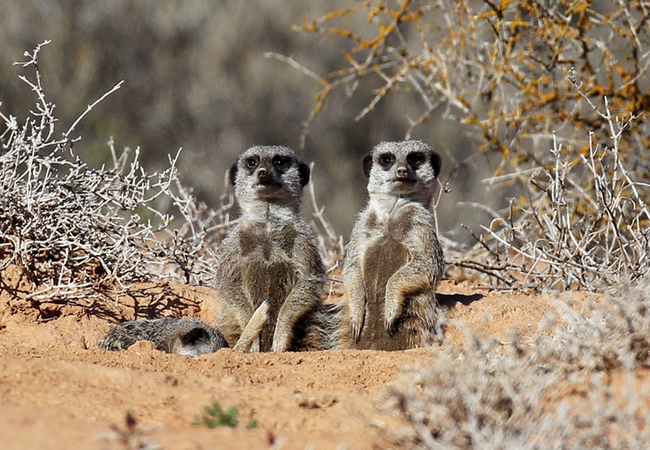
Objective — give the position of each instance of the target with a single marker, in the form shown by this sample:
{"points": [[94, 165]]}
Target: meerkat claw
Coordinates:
{"points": [[355, 328], [391, 326]]}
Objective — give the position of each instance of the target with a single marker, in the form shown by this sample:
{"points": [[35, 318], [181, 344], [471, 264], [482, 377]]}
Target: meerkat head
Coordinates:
{"points": [[269, 174], [402, 169], [194, 338]]}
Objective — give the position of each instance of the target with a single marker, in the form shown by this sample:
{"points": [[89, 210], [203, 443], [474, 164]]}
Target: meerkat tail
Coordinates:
{"points": [[253, 328]]}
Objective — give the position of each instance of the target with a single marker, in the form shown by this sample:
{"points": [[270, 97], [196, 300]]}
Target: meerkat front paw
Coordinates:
{"points": [[279, 347], [392, 311], [281, 341], [356, 310], [255, 348]]}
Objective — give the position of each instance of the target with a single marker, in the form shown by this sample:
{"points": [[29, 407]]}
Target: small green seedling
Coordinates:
{"points": [[215, 417]]}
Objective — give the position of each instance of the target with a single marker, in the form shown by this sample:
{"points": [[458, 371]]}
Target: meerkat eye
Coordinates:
{"points": [[251, 162], [281, 162], [416, 159], [386, 160]]}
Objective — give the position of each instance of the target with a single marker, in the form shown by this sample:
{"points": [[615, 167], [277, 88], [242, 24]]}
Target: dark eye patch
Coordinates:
{"points": [[415, 159], [386, 160], [252, 162], [281, 162]]}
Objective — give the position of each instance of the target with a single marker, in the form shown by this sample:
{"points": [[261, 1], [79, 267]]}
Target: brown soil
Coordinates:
{"points": [[59, 392]]}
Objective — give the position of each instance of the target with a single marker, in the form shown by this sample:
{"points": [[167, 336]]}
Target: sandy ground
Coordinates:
{"points": [[58, 392]]}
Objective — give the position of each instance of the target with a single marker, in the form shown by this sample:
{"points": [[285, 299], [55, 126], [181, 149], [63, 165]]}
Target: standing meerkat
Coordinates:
{"points": [[270, 253], [394, 260]]}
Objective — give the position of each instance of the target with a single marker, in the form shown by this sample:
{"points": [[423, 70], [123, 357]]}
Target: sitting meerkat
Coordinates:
{"points": [[186, 336], [270, 253], [269, 272], [394, 260]]}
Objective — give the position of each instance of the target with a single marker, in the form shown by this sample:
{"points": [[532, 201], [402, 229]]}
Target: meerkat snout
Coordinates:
{"points": [[402, 173], [262, 174]]}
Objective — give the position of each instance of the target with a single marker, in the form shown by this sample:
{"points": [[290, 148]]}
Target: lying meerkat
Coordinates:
{"points": [[270, 253], [187, 336], [394, 260]]}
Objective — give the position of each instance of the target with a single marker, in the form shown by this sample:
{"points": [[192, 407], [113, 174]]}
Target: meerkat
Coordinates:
{"points": [[186, 336], [393, 260], [270, 253]]}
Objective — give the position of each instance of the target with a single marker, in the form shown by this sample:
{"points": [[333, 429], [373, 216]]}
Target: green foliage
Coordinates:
{"points": [[214, 416]]}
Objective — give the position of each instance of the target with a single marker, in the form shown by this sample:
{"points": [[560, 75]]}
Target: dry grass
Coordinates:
{"points": [[552, 391]]}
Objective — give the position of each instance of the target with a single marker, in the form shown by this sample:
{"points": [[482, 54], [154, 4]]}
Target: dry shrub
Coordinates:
{"points": [[578, 224], [519, 78], [499, 67], [70, 228], [195, 77], [74, 231], [553, 391], [603, 335]]}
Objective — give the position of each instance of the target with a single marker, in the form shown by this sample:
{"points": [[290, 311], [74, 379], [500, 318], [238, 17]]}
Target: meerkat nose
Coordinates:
{"points": [[402, 172], [262, 173]]}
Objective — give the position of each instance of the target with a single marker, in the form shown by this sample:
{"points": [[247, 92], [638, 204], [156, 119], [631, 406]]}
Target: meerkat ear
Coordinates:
{"points": [[304, 171], [367, 164], [436, 163], [232, 174]]}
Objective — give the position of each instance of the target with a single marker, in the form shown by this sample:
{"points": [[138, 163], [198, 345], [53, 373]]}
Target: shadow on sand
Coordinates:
{"points": [[450, 300]]}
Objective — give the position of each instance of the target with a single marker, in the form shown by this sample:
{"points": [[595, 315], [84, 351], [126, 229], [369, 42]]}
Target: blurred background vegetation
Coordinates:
{"points": [[486, 83], [196, 77]]}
